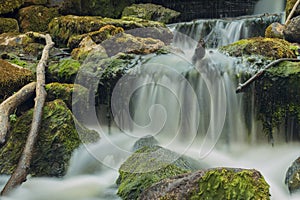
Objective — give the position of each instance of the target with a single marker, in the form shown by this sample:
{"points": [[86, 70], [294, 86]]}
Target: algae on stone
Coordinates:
{"points": [[57, 139]]}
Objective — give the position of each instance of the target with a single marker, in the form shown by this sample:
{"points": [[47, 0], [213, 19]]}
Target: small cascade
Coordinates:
{"points": [[219, 32]]}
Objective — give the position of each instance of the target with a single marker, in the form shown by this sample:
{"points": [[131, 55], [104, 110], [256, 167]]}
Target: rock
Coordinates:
{"points": [[8, 6], [58, 138], [275, 30], [8, 25], [292, 30], [36, 2], [271, 48], [127, 43], [151, 12], [279, 89], [36, 18], [147, 166], [97, 37], [292, 177], [87, 47], [62, 28], [147, 141], [289, 6], [219, 183], [12, 78], [64, 71]]}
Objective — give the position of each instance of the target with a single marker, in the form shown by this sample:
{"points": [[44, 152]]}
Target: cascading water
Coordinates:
{"points": [[191, 109]]}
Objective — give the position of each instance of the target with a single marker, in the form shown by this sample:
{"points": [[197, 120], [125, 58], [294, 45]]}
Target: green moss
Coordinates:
{"points": [[231, 184], [36, 18], [8, 25], [7, 6], [271, 48], [147, 166], [64, 71], [12, 78]]}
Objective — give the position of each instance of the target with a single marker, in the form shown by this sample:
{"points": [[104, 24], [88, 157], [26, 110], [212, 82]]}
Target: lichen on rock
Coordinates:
{"points": [[58, 138]]}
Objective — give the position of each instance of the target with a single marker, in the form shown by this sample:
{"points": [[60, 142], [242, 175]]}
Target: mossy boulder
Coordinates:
{"points": [[292, 30], [151, 12], [218, 183], [104, 8], [36, 18], [62, 28], [289, 6], [63, 71], [12, 78], [127, 43], [277, 97], [270, 48], [57, 139], [275, 30], [147, 166], [8, 25], [8, 6], [292, 177]]}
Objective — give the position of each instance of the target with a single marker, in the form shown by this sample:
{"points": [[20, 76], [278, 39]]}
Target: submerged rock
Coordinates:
{"points": [[62, 28], [147, 166], [36, 18], [292, 179], [292, 30], [147, 141], [8, 25], [219, 183], [12, 78], [151, 12], [271, 48], [58, 138], [8, 6]]}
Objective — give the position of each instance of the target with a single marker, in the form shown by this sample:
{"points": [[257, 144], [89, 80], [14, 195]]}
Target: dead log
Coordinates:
{"points": [[21, 171], [243, 86]]}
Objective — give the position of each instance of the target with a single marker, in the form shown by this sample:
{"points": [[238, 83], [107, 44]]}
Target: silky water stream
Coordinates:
{"points": [[190, 108]]}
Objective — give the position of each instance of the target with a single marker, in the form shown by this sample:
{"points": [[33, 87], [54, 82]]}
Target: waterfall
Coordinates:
{"points": [[269, 6]]}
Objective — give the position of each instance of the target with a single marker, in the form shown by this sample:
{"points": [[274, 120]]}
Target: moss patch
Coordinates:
{"points": [[272, 48], [12, 78], [7, 6], [56, 142], [8, 25]]}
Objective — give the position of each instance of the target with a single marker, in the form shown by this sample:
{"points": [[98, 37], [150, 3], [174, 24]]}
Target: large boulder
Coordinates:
{"points": [[36, 18], [8, 25], [12, 78], [292, 30], [219, 183], [58, 138], [292, 176], [151, 12], [62, 28], [271, 48], [147, 166], [8, 6]]}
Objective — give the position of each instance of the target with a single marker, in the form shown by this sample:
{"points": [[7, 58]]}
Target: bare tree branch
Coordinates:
{"points": [[21, 171]]}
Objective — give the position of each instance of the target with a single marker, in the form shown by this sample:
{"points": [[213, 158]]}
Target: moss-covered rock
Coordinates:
{"points": [[62, 28], [36, 18], [277, 97], [289, 6], [274, 30], [292, 176], [63, 71], [7, 6], [35, 2], [8, 25], [58, 138], [147, 166], [12, 78], [271, 48], [219, 183], [151, 12], [292, 30]]}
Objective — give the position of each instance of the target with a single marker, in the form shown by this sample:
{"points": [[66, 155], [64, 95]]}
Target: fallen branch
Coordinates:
{"points": [[8, 106], [21, 171], [292, 12], [246, 84]]}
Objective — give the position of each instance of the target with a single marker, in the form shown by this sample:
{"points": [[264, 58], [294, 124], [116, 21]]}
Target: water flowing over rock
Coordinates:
{"points": [[219, 183], [292, 30], [292, 176]]}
